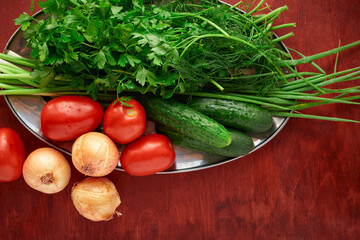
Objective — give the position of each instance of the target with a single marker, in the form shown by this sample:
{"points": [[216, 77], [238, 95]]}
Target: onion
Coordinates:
{"points": [[96, 198], [46, 170], [95, 154]]}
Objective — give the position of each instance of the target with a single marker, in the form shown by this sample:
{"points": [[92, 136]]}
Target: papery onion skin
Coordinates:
{"points": [[95, 154], [46, 170], [96, 198]]}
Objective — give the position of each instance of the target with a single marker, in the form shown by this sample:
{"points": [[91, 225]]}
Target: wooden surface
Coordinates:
{"points": [[304, 184]]}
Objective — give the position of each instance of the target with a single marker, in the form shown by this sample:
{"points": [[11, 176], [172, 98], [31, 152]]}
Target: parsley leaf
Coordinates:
{"points": [[100, 59]]}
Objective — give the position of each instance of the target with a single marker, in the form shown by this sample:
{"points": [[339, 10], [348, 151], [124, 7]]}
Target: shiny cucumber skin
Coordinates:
{"points": [[241, 143], [183, 119], [245, 117]]}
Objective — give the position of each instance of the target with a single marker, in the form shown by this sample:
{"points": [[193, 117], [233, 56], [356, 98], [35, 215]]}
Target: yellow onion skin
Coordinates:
{"points": [[46, 170], [96, 198], [95, 154]]}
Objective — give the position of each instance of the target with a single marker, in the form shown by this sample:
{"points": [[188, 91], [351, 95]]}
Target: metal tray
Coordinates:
{"points": [[28, 108]]}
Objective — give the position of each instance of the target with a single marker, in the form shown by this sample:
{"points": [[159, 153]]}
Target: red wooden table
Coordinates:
{"points": [[304, 184]]}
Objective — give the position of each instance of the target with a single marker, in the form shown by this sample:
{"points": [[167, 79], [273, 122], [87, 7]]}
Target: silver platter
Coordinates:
{"points": [[28, 108]]}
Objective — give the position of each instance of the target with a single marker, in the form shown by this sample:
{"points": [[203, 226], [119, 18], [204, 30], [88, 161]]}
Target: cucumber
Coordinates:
{"points": [[246, 117], [240, 145], [181, 118]]}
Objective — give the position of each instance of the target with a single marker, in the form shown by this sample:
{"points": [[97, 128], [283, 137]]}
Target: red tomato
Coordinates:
{"points": [[124, 124], [148, 155], [12, 155], [68, 117]]}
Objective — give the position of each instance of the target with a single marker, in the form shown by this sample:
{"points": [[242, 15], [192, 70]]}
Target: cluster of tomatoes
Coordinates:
{"points": [[68, 117]]}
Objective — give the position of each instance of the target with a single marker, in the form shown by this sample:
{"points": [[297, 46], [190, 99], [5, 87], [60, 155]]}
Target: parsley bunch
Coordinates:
{"points": [[164, 48]]}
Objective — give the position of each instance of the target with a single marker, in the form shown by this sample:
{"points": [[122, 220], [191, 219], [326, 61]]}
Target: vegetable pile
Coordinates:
{"points": [[167, 48], [209, 76]]}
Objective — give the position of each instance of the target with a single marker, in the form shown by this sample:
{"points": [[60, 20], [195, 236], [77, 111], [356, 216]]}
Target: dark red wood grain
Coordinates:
{"points": [[304, 184]]}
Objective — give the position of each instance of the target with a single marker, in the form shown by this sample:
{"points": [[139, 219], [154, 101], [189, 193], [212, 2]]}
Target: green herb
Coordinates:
{"points": [[123, 100], [168, 48]]}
